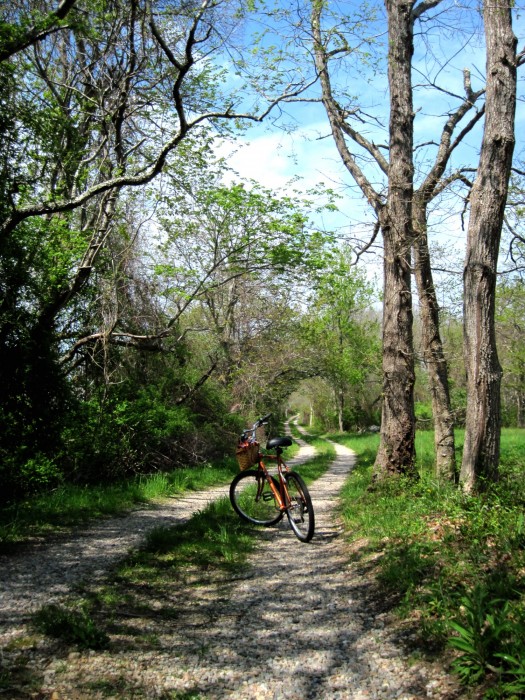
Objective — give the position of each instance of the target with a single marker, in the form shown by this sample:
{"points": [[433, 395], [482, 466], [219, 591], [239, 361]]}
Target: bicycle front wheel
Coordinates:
{"points": [[301, 511], [253, 500]]}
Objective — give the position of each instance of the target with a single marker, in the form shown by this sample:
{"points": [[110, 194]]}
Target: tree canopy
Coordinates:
{"points": [[147, 290]]}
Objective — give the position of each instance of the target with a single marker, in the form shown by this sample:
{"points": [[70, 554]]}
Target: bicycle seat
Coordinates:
{"points": [[278, 442]]}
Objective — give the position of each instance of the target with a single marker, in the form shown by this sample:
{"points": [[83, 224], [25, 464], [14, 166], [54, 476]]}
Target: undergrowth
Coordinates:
{"points": [[71, 505], [212, 542], [455, 563], [73, 625]]}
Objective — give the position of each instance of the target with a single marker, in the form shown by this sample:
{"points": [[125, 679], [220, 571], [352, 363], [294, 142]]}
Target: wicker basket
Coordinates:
{"points": [[247, 454]]}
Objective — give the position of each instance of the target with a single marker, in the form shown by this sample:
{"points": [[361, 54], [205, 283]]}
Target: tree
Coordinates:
{"points": [[343, 342], [434, 355], [95, 108], [513, 243], [488, 197], [394, 214], [114, 97], [510, 329], [242, 256], [334, 43]]}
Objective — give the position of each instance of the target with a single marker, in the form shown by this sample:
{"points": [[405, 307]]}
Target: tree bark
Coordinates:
{"points": [[340, 403], [488, 198], [396, 452], [520, 417], [433, 349]]}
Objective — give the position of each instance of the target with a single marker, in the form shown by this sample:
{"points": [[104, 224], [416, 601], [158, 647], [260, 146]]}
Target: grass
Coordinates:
{"points": [[316, 466], [163, 587], [74, 505], [215, 539], [455, 563], [71, 505], [74, 626], [214, 544]]}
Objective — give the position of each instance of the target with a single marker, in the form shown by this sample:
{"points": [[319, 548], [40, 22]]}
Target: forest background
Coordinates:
{"points": [[154, 298]]}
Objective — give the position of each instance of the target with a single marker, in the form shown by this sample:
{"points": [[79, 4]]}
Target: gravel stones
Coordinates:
{"points": [[300, 624]]}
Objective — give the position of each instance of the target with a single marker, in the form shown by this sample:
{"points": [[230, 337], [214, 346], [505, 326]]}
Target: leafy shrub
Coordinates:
{"points": [[513, 681], [39, 473], [491, 640], [423, 411], [483, 629], [124, 435]]}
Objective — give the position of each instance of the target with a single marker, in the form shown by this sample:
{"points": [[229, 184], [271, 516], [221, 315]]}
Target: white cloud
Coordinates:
{"points": [[301, 161], [276, 159]]}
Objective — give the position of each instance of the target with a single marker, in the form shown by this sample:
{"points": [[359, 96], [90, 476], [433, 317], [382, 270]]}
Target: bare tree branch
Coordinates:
{"points": [[198, 384], [336, 116], [431, 185], [144, 176]]}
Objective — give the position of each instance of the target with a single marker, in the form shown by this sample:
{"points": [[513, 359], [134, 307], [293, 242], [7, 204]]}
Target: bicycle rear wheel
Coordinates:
{"points": [[253, 500], [301, 511]]}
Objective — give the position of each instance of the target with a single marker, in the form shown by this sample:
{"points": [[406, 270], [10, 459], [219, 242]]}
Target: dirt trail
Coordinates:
{"points": [[50, 569], [301, 623]]}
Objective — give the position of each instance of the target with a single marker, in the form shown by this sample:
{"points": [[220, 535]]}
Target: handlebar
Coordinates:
{"points": [[262, 421], [257, 424]]}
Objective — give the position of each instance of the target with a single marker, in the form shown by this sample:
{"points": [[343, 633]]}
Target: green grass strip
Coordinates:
{"points": [[453, 562], [71, 505], [317, 465]]}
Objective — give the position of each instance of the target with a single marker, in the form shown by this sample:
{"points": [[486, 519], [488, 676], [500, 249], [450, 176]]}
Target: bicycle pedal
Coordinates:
{"points": [[267, 496]]}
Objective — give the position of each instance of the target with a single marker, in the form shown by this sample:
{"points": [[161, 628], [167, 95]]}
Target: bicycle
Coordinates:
{"points": [[261, 498]]}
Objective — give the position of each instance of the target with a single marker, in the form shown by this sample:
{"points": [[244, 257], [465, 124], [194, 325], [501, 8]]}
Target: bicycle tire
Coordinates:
{"points": [[301, 511], [243, 492]]}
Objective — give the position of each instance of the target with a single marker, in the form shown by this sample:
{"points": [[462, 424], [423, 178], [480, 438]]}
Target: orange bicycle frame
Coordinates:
{"points": [[281, 495]]}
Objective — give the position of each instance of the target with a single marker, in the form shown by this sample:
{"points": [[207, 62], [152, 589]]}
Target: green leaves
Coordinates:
{"points": [[346, 343], [213, 232], [485, 631]]}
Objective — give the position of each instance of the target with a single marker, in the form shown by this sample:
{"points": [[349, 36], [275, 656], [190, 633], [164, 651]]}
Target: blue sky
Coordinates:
{"points": [[276, 158]]}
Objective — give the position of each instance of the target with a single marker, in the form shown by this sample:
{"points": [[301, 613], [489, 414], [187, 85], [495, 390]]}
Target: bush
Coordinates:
{"points": [[38, 474], [490, 637], [424, 416]]}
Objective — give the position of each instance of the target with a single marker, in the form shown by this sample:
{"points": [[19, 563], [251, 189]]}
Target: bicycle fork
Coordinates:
{"points": [[281, 496]]}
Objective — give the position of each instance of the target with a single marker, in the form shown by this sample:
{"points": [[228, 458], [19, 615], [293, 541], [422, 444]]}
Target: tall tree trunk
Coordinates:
{"points": [[396, 452], [397, 448], [433, 348], [488, 198], [340, 403]]}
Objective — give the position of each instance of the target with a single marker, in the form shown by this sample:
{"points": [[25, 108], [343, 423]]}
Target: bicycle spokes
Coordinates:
{"points": [[300, 511], [253, 500]]}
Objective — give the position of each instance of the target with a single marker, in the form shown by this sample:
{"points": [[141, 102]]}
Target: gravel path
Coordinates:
{"points": [[300, 623], [51, 569]]}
